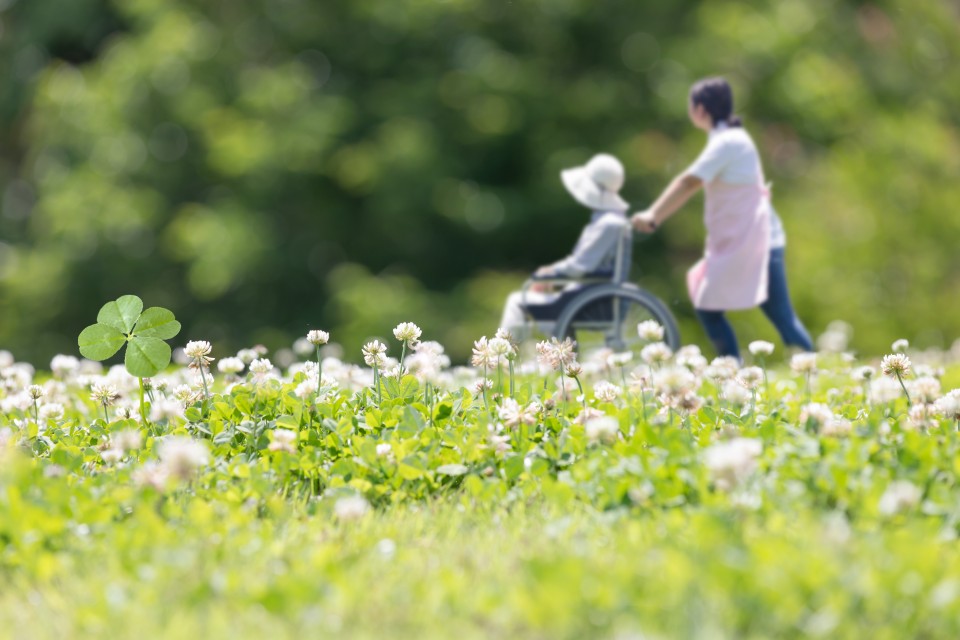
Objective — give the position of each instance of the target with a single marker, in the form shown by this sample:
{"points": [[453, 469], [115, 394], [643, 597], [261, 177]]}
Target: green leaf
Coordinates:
{"points": [[157, 322], [288, 422], [146, 357], [121, 314], [99, 341]]}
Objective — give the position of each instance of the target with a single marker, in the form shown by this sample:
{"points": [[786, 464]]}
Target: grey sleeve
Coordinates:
{"points": [[597, 242]]}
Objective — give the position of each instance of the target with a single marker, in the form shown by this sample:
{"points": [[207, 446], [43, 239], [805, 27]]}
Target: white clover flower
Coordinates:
{"points": [[308, 388], [641, 379], [895, 364], [925, 390], [587, 415], [482, 384], [899, 346], [836, 428], [6, 359], [556, 354], [111, 456], [949, 405], [900, 496], [51, 412], [693, 361], [261, 367], [384, 450], [153, 475], [302, 347], [510, 413], [63, 366], [126, 413], [689, 402], [165, 409], [482, 356], [735, 393], [186, 394], [836, 338], [374, 353], [804, 362], [407, 332], [922, 370], [283, 440], [650, 330], [351, 508], [732, 462], [35, 391], [127, 440], [182, 456], [500, 347], [605, 391], [105, 394], [863, 374], [198, 351], [816, 414], [750, 377], [883, 391], [247, 356], [656, 353], [573, 370], [230, 366], [760, 348], [602, 429], [923, 416], [688, 351], [674, 381], [317, 337], [722, 368], [619, 359]]}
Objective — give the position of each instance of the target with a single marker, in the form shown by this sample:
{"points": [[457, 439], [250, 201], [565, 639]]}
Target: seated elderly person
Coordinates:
{"points": [[595, 186]]}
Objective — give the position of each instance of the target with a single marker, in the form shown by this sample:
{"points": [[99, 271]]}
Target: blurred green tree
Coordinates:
{"points": [[264, 167]]}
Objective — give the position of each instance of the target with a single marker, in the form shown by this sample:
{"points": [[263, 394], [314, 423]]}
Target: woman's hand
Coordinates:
{"points": [[644, 222], [542, 287]]}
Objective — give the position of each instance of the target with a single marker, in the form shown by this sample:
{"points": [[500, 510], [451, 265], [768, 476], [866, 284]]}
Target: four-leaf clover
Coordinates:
{"points": [[124, 321]]}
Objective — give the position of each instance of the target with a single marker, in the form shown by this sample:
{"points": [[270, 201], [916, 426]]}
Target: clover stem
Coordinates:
{"points": [[903, 386], [510, 360], [143, 408], [583, 396], [486, 405], [206, 392], [499, 377]]}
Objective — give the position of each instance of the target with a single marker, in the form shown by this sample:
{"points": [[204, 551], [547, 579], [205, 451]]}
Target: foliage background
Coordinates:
{"points": [[349, 164]]}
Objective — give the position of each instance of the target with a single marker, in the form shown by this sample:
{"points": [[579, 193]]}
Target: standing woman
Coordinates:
{"points": [[743, 264]]}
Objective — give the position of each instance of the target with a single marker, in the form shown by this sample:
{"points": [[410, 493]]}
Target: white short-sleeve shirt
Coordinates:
{"points": [[731, 157]]}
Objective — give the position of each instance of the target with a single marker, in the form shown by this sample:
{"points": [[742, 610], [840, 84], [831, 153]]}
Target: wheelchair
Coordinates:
{"points": [[600, 310]]}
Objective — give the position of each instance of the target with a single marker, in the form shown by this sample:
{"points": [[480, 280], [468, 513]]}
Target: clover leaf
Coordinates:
{"points": [[124, 322]]}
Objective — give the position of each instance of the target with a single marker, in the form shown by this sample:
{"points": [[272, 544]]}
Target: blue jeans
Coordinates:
{"points": [[777, 309]]}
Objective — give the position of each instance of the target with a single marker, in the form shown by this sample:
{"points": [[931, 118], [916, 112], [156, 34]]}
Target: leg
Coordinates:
{"points": [[778, 308], [515, 320], [720, 332]]}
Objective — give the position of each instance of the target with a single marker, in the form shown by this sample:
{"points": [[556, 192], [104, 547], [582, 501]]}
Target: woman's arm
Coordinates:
{"points": [[680, 189]]}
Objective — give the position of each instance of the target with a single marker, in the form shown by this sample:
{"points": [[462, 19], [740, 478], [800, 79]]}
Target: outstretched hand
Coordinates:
{"points": [[644, 222]]}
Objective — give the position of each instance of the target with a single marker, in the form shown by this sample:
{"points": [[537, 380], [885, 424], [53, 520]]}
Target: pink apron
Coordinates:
{"points": [[733, 271]]}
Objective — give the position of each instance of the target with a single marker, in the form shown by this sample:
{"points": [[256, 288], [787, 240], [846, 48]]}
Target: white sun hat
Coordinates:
{"points": [[596, 184]]}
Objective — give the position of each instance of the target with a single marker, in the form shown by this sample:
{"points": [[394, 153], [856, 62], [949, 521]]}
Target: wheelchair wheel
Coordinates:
{"points": [[608, 315]]}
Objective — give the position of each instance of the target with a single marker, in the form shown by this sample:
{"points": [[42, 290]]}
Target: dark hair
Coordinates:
{"points": [[716, 96]]}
